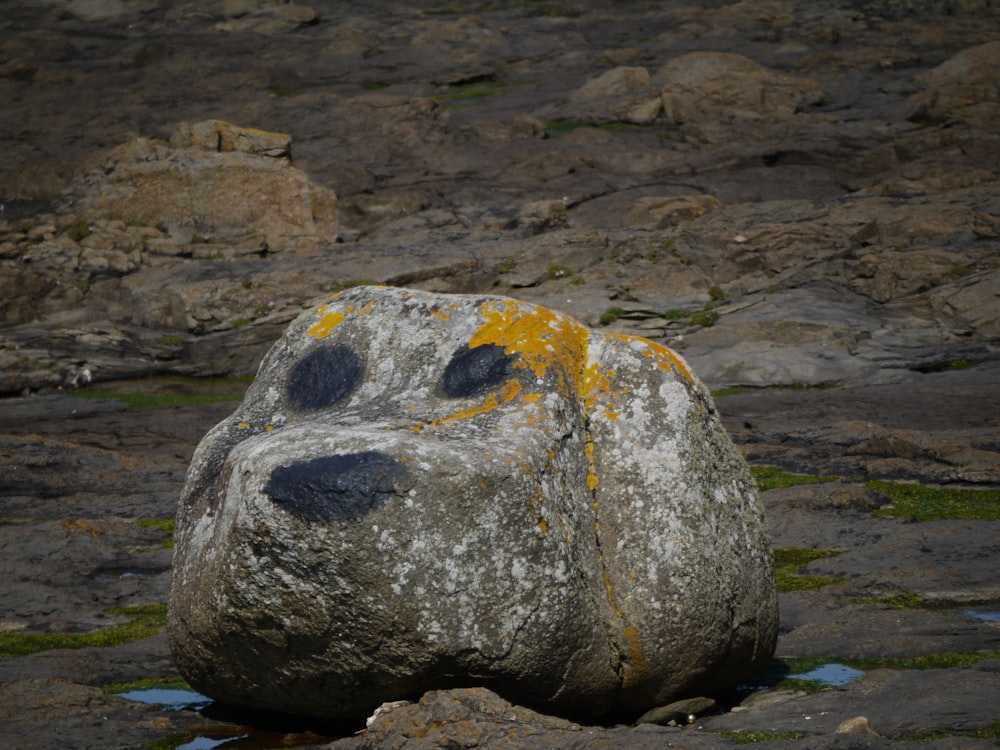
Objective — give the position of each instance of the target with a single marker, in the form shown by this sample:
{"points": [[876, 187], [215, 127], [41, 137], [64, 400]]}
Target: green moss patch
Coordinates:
{"points": [[467, 94], [166, 525], [943, 660], [169, 390], [744, 737], [555, 271], [896, 600], [771, 478], [991, 732], [705, 318], [146, 621], [147, 683], [79, 230], [610, 315], [788, 561], [931, 503]]}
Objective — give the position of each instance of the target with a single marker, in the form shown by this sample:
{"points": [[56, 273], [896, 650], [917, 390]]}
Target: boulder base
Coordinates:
{"points": [[428, 491]]}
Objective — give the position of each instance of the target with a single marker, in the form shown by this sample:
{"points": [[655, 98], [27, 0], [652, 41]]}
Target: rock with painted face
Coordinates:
{"points": [[429, 491]]}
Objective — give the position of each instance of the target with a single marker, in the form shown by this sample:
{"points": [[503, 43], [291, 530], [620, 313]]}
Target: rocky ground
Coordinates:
{"points": [[791, 194]]}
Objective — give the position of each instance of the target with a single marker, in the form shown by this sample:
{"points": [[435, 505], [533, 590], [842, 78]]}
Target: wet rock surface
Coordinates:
{"points": [[810, 199]]}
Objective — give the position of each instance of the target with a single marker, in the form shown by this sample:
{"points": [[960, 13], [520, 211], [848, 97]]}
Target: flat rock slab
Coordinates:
{"points": [[935, 696], [154, 447]]}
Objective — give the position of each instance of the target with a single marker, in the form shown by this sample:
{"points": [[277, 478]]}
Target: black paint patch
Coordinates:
{"points": [[472, 371], [336, 488], [325, 377]]}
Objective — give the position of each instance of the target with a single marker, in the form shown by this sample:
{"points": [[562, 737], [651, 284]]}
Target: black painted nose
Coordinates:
{"points": [[336, 488]]}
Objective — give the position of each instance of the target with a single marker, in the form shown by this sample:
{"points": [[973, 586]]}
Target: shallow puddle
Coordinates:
{"points": [[171, 699], [207, 743], [990, 614], [830, 674], [248, 738]]}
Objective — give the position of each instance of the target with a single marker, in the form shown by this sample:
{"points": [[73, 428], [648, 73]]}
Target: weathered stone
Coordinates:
{"points": [[855, 725], [662, 213], [965, 85], [705, 85], [971, 304], [539, 216], [622, 94], [422, 491], [228, 194], [218, 135]]}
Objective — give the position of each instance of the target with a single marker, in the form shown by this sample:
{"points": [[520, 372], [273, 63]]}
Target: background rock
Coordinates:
{"points": [[876, 206]]}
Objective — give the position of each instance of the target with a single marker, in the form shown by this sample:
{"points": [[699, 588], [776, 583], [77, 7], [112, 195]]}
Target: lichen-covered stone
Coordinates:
{"points": [[427, 491]]}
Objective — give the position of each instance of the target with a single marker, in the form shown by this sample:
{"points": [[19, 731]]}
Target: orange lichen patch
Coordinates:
{"points": [[443, 313], [508, 392], [593, 382], [258, 427], [80, 525], [592, 480], [541, 337], [611, 592], [635, 661], [330, 320], [662, 357], [130, 462]]}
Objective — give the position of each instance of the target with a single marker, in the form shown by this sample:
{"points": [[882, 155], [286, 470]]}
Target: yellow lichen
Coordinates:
{"points": [[611, 592], [507, 393], [442, 313], [329, 320], [664, 358], [259, 427], [541, 337], [592, 480], [635, 661]]}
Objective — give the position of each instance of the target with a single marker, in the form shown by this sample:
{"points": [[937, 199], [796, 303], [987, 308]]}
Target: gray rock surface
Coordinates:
{"points": [[422, 491], [823, 156]]}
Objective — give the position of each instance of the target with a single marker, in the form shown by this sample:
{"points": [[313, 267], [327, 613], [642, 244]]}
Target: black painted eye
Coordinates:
{"points": [[325, 377], [471, 371], [336, 488]]}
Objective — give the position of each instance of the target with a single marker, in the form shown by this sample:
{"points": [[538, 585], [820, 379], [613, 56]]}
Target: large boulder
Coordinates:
{"points": [[428, 491]]}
